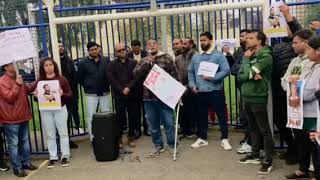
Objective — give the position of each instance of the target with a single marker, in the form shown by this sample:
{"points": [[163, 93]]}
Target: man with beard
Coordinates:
{"points": [[209, 90], [137, 54], [187, 116], [92, 74], [69, 72], [156, 110], [177, 47], [238, 55]]}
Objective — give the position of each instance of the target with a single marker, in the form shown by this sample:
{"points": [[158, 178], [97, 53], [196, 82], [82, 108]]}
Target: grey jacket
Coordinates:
{"points": [[310, 87], [297, 61]]}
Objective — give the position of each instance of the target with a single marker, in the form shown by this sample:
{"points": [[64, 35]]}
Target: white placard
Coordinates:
{"points": [[295, 112], [165, 87], [208, 69], [274, 23], [231, 43], [48, 95], [16, 45]]}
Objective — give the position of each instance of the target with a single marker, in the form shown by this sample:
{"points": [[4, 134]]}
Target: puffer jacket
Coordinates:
{"points": [[14, 103]]}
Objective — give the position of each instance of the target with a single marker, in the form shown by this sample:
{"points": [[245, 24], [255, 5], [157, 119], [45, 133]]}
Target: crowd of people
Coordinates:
{"points": [[257, 66]]}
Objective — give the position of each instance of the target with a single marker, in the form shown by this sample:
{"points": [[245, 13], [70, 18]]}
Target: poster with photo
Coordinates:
{"points": [[226, 45], [274, 23], [48, 95], [295, 104]]}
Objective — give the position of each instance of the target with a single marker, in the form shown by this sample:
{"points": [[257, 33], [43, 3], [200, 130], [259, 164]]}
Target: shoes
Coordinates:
{"points": [[185, 137], [73, 145], [146, 133], [225, 144], [296, 176], [80, 131], [64, 162], [19, 172], [244, 148], [265, 169], [51, 164], [157, 150], [4, 167], [249, 159], [30, 167], [171, 150], [199, 143], [131, 143]]}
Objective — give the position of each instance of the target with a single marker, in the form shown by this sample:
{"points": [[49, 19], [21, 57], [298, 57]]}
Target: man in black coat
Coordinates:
{"points": [[69, 72], [124, 86], [137, 54]]}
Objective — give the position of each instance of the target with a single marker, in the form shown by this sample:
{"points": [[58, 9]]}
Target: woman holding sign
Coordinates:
{"points": [[310, 113], [54, 117]]}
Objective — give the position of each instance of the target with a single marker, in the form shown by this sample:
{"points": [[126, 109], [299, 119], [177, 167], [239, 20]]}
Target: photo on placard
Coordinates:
{"points": [[49, 95], [274, 23]]}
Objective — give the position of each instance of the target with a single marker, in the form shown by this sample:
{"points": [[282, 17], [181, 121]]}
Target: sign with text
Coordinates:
{"points": [[207, 69], [164, 86], [16, 45]]}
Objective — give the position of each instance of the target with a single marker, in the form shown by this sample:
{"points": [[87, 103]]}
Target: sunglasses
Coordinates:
{"points": [[120, 50]]}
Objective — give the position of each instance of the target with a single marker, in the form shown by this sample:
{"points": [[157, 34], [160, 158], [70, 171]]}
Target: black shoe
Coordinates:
{"points": [[146, 133], [4, 167], [64, 162], [265, 169], [30, 167], [73, 145], [249, 159], [51, 164], [137, 135], [290, 160], [296, 176], [19, 172], [185, 137]]}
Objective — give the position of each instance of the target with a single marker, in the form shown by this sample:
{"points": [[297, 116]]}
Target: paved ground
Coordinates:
{"points": [[206, 163]]}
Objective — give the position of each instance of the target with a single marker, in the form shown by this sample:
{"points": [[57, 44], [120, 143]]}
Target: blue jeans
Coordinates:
{"points": [[156, 110], [18, 144], [217, 100]]}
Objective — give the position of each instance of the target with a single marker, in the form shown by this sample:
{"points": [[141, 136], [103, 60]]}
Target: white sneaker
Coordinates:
{"points": [[244, 148], [225, 144], [199, 142], [80, 130]]}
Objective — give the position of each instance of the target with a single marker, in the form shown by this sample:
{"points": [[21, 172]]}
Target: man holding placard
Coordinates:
{"points": [[155, 108], [206, 75]]}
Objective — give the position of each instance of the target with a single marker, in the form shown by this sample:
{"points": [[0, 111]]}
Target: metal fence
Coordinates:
{"points": [[223, 24]]}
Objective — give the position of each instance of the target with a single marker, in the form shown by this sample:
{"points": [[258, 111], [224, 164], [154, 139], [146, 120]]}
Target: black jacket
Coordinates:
{"points": [[120, 76], [93, 76], [69, 72], [283, 53], [143, 54]]}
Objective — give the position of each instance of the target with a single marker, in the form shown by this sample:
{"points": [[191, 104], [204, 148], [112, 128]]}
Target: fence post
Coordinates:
{"points": [[53, 33], [32, 20], [164, 44]]}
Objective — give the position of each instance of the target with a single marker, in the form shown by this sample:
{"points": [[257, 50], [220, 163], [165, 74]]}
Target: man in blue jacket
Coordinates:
{"points": [[209, 90]]}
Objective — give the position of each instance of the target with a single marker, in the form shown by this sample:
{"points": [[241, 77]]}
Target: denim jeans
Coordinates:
{"points": [[1, 145], [52, 120], [18, 144], [156, 110], [217, 100], [92, 103]]}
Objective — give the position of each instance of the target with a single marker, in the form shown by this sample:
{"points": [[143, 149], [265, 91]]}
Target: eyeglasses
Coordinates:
{"points": [[120, 50]]}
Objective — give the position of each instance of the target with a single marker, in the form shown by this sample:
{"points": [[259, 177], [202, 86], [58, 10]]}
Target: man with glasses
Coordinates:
{"points": [[92, 75], [120, 74]]}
